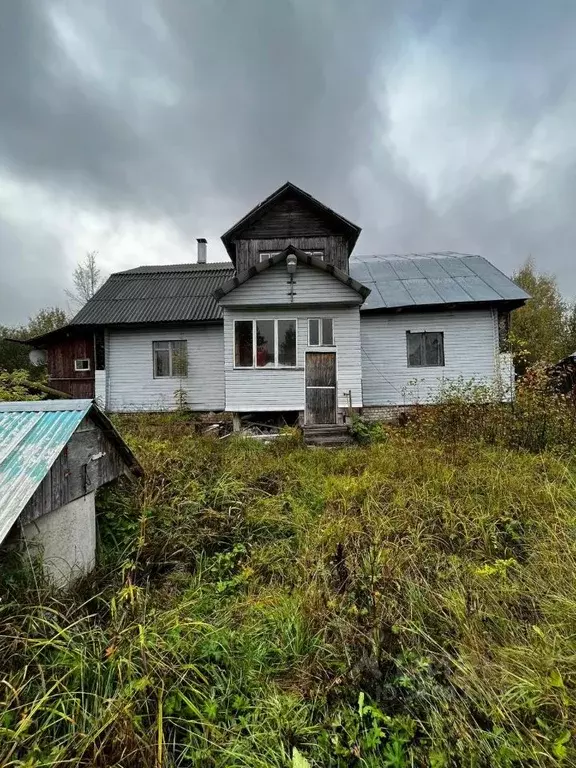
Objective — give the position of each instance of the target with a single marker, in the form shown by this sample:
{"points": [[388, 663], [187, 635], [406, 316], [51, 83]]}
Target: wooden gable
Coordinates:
{"points": [[290, 217]]}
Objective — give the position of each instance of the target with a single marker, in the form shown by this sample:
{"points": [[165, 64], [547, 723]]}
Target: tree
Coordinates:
{"points": [[49, 319], [570, 332], [14, 356], [86, 279], [538, 330]]}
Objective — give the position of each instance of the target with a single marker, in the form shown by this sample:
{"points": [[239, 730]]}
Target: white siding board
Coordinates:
{"points": [[131, 385], [100, 388], [311, 286], [470, 351], [283, 389]]}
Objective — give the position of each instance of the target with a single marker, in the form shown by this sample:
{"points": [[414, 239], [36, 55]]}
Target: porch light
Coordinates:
{"points": [[291, 262]]}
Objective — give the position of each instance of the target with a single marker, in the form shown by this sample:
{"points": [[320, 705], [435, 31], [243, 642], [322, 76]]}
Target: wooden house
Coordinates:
{"points": [[295, 321]]}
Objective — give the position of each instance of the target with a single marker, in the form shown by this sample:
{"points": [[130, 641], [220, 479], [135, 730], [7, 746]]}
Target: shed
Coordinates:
{"points": [[54, 455]]}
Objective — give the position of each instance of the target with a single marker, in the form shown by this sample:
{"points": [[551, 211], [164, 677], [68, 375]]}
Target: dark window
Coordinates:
{"points": [[243, 344], [265, 255], [265, 355], [82, 364], [264, 343], [99, 351], [320, 332], [287, 342], [170, 359], [327, 332], [425, 349]]}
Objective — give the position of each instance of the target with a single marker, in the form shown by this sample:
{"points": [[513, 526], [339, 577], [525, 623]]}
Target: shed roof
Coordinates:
{"points": [[430, 279], [32, 435]]}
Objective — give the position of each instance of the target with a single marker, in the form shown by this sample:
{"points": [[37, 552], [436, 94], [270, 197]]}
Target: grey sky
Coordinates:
{"points": [[134, 127]]}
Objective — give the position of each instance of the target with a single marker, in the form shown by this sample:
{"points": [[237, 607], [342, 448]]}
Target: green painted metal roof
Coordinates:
{"points": [[32, 434]]}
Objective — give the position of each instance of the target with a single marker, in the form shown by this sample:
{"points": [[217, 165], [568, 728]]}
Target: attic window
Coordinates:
{"points": [[316, 254], [425, 349], [265, 255], [82, 364], [170, 359]]}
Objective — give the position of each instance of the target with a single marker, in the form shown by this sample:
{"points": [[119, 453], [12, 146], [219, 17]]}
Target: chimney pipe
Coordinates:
{"points": [[202, 247]]}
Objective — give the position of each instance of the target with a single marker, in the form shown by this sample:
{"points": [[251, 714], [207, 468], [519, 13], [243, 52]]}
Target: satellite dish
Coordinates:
{"points": [[37, 356]]}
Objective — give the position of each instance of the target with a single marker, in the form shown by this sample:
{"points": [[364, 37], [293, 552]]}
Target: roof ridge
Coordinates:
{"points": [[188, 266]]}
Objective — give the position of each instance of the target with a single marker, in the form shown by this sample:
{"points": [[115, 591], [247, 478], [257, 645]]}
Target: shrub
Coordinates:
{"points": [[538, 419], [367, 432]]}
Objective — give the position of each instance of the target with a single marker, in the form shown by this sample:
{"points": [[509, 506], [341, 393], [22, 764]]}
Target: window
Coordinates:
{"points": [[318, 254], [425, 349], [82, 364], [264, 343], [170, 359], [320, 332]]}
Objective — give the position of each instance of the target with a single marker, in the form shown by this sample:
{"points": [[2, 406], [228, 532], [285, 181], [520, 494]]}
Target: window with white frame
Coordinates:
{"points": [[82, 364], [425, 349], [264, 343], [317, 254], [320, 332], [170, 359]]}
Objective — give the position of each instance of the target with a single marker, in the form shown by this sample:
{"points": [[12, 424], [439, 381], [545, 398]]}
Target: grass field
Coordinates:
{"points": [[407, 603]]}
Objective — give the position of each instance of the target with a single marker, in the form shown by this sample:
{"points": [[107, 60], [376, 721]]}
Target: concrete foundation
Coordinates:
{"points": [[65, 539]]}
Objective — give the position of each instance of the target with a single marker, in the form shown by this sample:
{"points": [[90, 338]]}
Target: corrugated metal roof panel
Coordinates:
{"points": [[431, 279], [32, 435], [170, 293], [184, 292]]}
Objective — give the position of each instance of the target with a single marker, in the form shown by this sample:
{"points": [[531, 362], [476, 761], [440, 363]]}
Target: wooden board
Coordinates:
{"points": [[89, 459], [320, 388], [61, 372], [334, 246]]}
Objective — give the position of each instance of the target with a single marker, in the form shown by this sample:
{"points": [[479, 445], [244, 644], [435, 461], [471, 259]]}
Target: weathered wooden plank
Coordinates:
{"points": [[334, 247], [88, 461], [320, 387], [320, 369], [320, 406], [289, 217], [62, 373]]}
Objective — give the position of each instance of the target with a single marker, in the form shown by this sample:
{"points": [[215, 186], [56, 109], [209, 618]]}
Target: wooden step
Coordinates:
{"points": [[327, 435]]}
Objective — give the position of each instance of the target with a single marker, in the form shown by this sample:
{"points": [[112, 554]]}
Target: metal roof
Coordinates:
{"points": [[32, 434], [166, 293], [174, 293], [430, 279]]}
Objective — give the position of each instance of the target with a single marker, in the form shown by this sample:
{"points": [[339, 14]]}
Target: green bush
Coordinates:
{"points": [[367, 432], [538, 419]]}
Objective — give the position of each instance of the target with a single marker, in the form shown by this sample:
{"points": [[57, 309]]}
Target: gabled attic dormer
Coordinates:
{"points": [[290, 216]]}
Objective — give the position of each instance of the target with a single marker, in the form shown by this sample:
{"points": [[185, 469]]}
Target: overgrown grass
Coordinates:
{"points": [[410, 603]]}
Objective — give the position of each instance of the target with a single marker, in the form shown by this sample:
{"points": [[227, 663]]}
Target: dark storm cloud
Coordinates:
{"points": [[186, 114]]}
